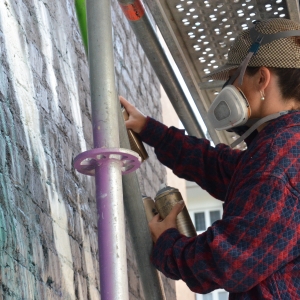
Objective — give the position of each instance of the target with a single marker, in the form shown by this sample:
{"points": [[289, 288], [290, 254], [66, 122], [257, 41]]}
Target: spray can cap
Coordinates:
{"points": [[165, 189]]}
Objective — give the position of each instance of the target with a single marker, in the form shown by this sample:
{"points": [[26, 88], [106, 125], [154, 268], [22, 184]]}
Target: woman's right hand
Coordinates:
{"points": [[137, 120]]}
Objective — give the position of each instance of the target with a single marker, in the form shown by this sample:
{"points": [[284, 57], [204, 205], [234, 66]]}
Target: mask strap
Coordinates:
{"points": [[240, 72], [252, 51], [232, 79], [256, 125], [268, 38]]}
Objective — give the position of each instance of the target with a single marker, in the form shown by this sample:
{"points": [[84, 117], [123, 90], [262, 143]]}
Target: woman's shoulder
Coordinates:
{"points": [[283, 155], [276, 149], [280, 134]]}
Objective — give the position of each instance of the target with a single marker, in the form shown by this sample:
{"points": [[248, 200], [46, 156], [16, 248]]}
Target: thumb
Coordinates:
{"points": [[176, 210]]}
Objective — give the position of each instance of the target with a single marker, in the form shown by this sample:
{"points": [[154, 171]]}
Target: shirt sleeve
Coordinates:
{"points": [[192, 158], [257, 236]]}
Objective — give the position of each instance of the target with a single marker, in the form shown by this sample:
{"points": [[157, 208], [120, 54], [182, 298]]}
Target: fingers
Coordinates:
{"points": [[176, 210], [131, 110], [155, 219], [136, 120], [125, 103], [158, 226]]}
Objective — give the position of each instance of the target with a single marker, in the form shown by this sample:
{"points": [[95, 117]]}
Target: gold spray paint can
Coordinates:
{"points": [[165, 200], [135, 142], [150, 208]]}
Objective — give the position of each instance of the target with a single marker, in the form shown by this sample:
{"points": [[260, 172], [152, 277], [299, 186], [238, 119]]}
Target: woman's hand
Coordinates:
{"points": [[158, 226], [136, 120]]}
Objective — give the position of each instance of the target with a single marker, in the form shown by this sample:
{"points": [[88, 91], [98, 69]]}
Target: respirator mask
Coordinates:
{"points": [[230, 109]]}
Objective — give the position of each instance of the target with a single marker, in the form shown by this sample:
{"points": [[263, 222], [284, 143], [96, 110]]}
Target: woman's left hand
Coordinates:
{"points": [[157, 226]]}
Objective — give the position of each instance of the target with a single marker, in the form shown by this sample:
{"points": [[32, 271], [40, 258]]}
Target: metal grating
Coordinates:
{"points": [[208, 28]]}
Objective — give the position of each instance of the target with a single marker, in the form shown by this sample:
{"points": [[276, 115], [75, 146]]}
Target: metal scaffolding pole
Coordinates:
{"points": [[109, 194], [134, 209], [107, 162]]}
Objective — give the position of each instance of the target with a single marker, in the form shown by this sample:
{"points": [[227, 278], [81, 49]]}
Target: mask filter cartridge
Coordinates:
{"points": [[229, 109], [222, 111]]}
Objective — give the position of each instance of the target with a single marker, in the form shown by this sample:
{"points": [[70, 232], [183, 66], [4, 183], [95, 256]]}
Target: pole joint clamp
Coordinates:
{"points": [[87, 161]]}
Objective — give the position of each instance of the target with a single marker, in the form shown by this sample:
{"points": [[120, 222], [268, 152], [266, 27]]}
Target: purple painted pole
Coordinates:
{"points": [[110, 232], [109, 194]]}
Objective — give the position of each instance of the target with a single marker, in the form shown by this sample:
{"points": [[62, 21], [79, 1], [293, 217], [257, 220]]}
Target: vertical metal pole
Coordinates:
{"points": [[138, 227], [109, 195]]}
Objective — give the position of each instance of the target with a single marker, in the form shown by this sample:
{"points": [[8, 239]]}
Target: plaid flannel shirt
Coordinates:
{"points": [[254, 250]]}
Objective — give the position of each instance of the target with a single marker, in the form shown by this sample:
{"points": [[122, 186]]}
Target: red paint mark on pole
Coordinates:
{"points": [[133, 11]]}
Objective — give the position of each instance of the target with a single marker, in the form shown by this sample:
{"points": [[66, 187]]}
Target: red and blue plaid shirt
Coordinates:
{"points": [[254, 250]]}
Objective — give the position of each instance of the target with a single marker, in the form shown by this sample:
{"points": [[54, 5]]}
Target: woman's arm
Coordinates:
{"points": [[257, 236], [189, 157], [192, 158]]}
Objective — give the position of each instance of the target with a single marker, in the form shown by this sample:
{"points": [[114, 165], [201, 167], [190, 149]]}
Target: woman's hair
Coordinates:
{"points": [[288, 79]]}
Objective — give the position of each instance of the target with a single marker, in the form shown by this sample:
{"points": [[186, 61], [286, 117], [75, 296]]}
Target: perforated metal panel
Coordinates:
{"points": [[209, 27]]}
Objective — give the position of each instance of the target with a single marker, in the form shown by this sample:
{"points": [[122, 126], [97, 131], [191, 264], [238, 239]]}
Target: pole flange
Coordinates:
{"points": [[87, 161]]}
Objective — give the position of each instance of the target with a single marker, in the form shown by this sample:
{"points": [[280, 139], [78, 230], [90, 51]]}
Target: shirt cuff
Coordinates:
{"points": [[153, 132], [162, 256]]}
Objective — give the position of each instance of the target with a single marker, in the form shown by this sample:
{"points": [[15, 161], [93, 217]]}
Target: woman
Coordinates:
{"points": [[254, 250]]}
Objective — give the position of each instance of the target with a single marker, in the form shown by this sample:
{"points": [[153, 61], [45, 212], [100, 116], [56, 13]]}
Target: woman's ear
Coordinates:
{"points": [[263, 78]]}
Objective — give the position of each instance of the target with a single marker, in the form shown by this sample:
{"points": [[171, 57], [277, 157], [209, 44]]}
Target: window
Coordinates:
{"points": [[200, 221], [204, 297], [215, 295], [214, 216], [207, 297], [223, 296], [206, 218]]}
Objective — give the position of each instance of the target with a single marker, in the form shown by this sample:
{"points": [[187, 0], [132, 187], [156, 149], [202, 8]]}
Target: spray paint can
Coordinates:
{"points": [[165, 200], [135, 142], [150, 208]]}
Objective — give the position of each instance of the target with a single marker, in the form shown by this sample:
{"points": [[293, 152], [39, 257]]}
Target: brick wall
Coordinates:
{"points": [[48, 234]]}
